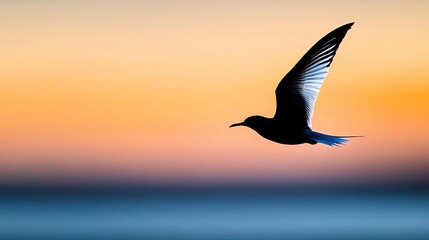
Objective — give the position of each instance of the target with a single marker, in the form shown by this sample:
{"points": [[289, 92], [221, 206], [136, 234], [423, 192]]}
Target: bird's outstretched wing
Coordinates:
{"points": [[297, 92]]}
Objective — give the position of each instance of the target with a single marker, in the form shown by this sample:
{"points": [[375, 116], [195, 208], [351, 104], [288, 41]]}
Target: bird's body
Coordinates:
{"points": [[296, 95], [278, 132]]}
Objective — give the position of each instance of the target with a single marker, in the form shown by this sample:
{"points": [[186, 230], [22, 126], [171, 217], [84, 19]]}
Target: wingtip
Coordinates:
{"points": [[348, 25], [342, 29]]}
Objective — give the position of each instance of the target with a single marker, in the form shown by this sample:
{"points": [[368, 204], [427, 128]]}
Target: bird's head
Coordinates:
{"points": [[251, 122]]}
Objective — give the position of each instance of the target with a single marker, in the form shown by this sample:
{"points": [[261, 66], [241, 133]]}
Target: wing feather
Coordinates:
{"points": [[297, 92]]}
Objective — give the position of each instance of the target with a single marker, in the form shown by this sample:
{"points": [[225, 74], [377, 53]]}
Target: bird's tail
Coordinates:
{"points": [[328, 139]]}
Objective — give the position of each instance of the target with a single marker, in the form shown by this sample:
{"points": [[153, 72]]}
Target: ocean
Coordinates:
{"points": [[214, 214]]}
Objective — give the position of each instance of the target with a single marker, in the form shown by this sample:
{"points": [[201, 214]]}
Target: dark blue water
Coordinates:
{"points": [[205, 215]]}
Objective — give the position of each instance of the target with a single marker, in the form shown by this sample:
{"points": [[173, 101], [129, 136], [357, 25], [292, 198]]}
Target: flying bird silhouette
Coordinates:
{"points": [[296, 95]]}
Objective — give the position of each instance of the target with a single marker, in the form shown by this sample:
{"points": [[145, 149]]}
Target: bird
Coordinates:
{"points": [[296, 96]]}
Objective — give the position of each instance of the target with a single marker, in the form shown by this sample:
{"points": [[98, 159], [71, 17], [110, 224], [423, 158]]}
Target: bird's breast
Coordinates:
{"points": [[282, 134]]}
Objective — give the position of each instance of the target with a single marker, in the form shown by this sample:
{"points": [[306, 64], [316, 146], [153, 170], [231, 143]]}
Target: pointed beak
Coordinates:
{"points": [[236, 124]]}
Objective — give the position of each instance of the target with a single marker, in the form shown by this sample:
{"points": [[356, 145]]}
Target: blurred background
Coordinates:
{"points": [[114, 121]]}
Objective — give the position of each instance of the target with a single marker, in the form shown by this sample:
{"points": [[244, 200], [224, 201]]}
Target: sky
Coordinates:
{"points": [[144, 91]]}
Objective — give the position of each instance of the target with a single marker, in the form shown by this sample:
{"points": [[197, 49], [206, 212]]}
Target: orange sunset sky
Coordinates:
{"points": [[145, 90]]}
